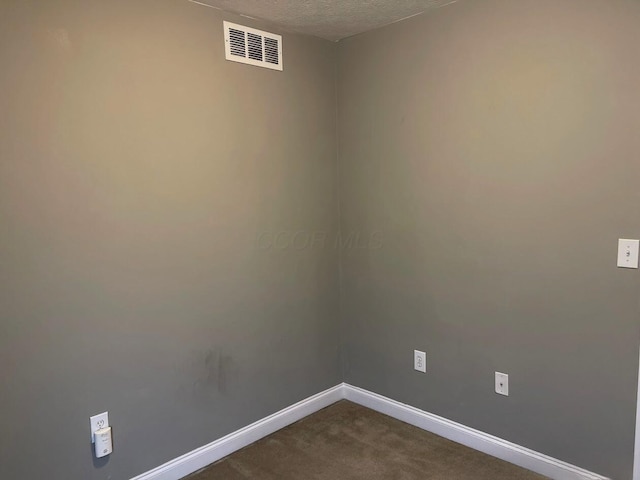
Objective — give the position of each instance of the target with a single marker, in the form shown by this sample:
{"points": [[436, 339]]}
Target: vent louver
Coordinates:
{"points": [[237, 43], [253, 47]]}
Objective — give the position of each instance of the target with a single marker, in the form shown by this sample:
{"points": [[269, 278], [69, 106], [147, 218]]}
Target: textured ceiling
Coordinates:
{"points": [[330, 19]]}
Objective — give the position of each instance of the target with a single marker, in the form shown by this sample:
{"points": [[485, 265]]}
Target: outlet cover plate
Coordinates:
{"points": [[502, 384], [98, 422], [420, 361]]}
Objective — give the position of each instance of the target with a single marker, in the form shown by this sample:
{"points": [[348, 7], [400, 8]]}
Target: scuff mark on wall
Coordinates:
{"points": [[60, 38], [206, 375]]}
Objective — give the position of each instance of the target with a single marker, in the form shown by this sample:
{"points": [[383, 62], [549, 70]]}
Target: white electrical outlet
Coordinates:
{"points": [[98, 422], [420, 361], [502, 384]]}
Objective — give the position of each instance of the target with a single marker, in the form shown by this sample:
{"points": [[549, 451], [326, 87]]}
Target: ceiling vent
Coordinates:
{"points": [[253, 47]]}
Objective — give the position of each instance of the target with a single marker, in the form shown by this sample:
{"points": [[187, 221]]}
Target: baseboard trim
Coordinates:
{"points": [[483, 442], [636, 447], [203, 456], [494, 446]]}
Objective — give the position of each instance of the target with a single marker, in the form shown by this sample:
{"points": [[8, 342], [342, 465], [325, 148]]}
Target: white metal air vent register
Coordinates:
{"points": [[253, 47]]}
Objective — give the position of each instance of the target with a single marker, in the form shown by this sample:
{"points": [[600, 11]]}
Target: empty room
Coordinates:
{"points": [[320, 239]]}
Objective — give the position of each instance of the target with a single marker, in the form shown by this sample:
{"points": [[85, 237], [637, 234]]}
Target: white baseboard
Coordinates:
{"points": [[203, 456], [636, 448], [483, 442]]}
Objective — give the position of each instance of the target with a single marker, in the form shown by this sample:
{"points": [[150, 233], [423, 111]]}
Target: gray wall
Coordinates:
{"points": [[488, 163], [496, 145], [137, 168]]}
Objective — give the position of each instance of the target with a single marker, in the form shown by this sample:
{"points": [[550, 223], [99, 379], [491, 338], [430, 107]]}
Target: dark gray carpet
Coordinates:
{"points": [[350, 442]]}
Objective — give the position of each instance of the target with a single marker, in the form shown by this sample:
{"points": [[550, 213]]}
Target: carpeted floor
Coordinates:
{"points": [[350, 442]]}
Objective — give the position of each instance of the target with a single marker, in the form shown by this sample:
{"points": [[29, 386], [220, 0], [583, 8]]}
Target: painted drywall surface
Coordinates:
{"points": [[495, 145], [137, 170]]}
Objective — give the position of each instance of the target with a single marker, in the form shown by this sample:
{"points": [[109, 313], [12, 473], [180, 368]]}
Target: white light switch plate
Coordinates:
{"points": [[502, 384], [628, 253], [420, 361], [98, 422]]}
